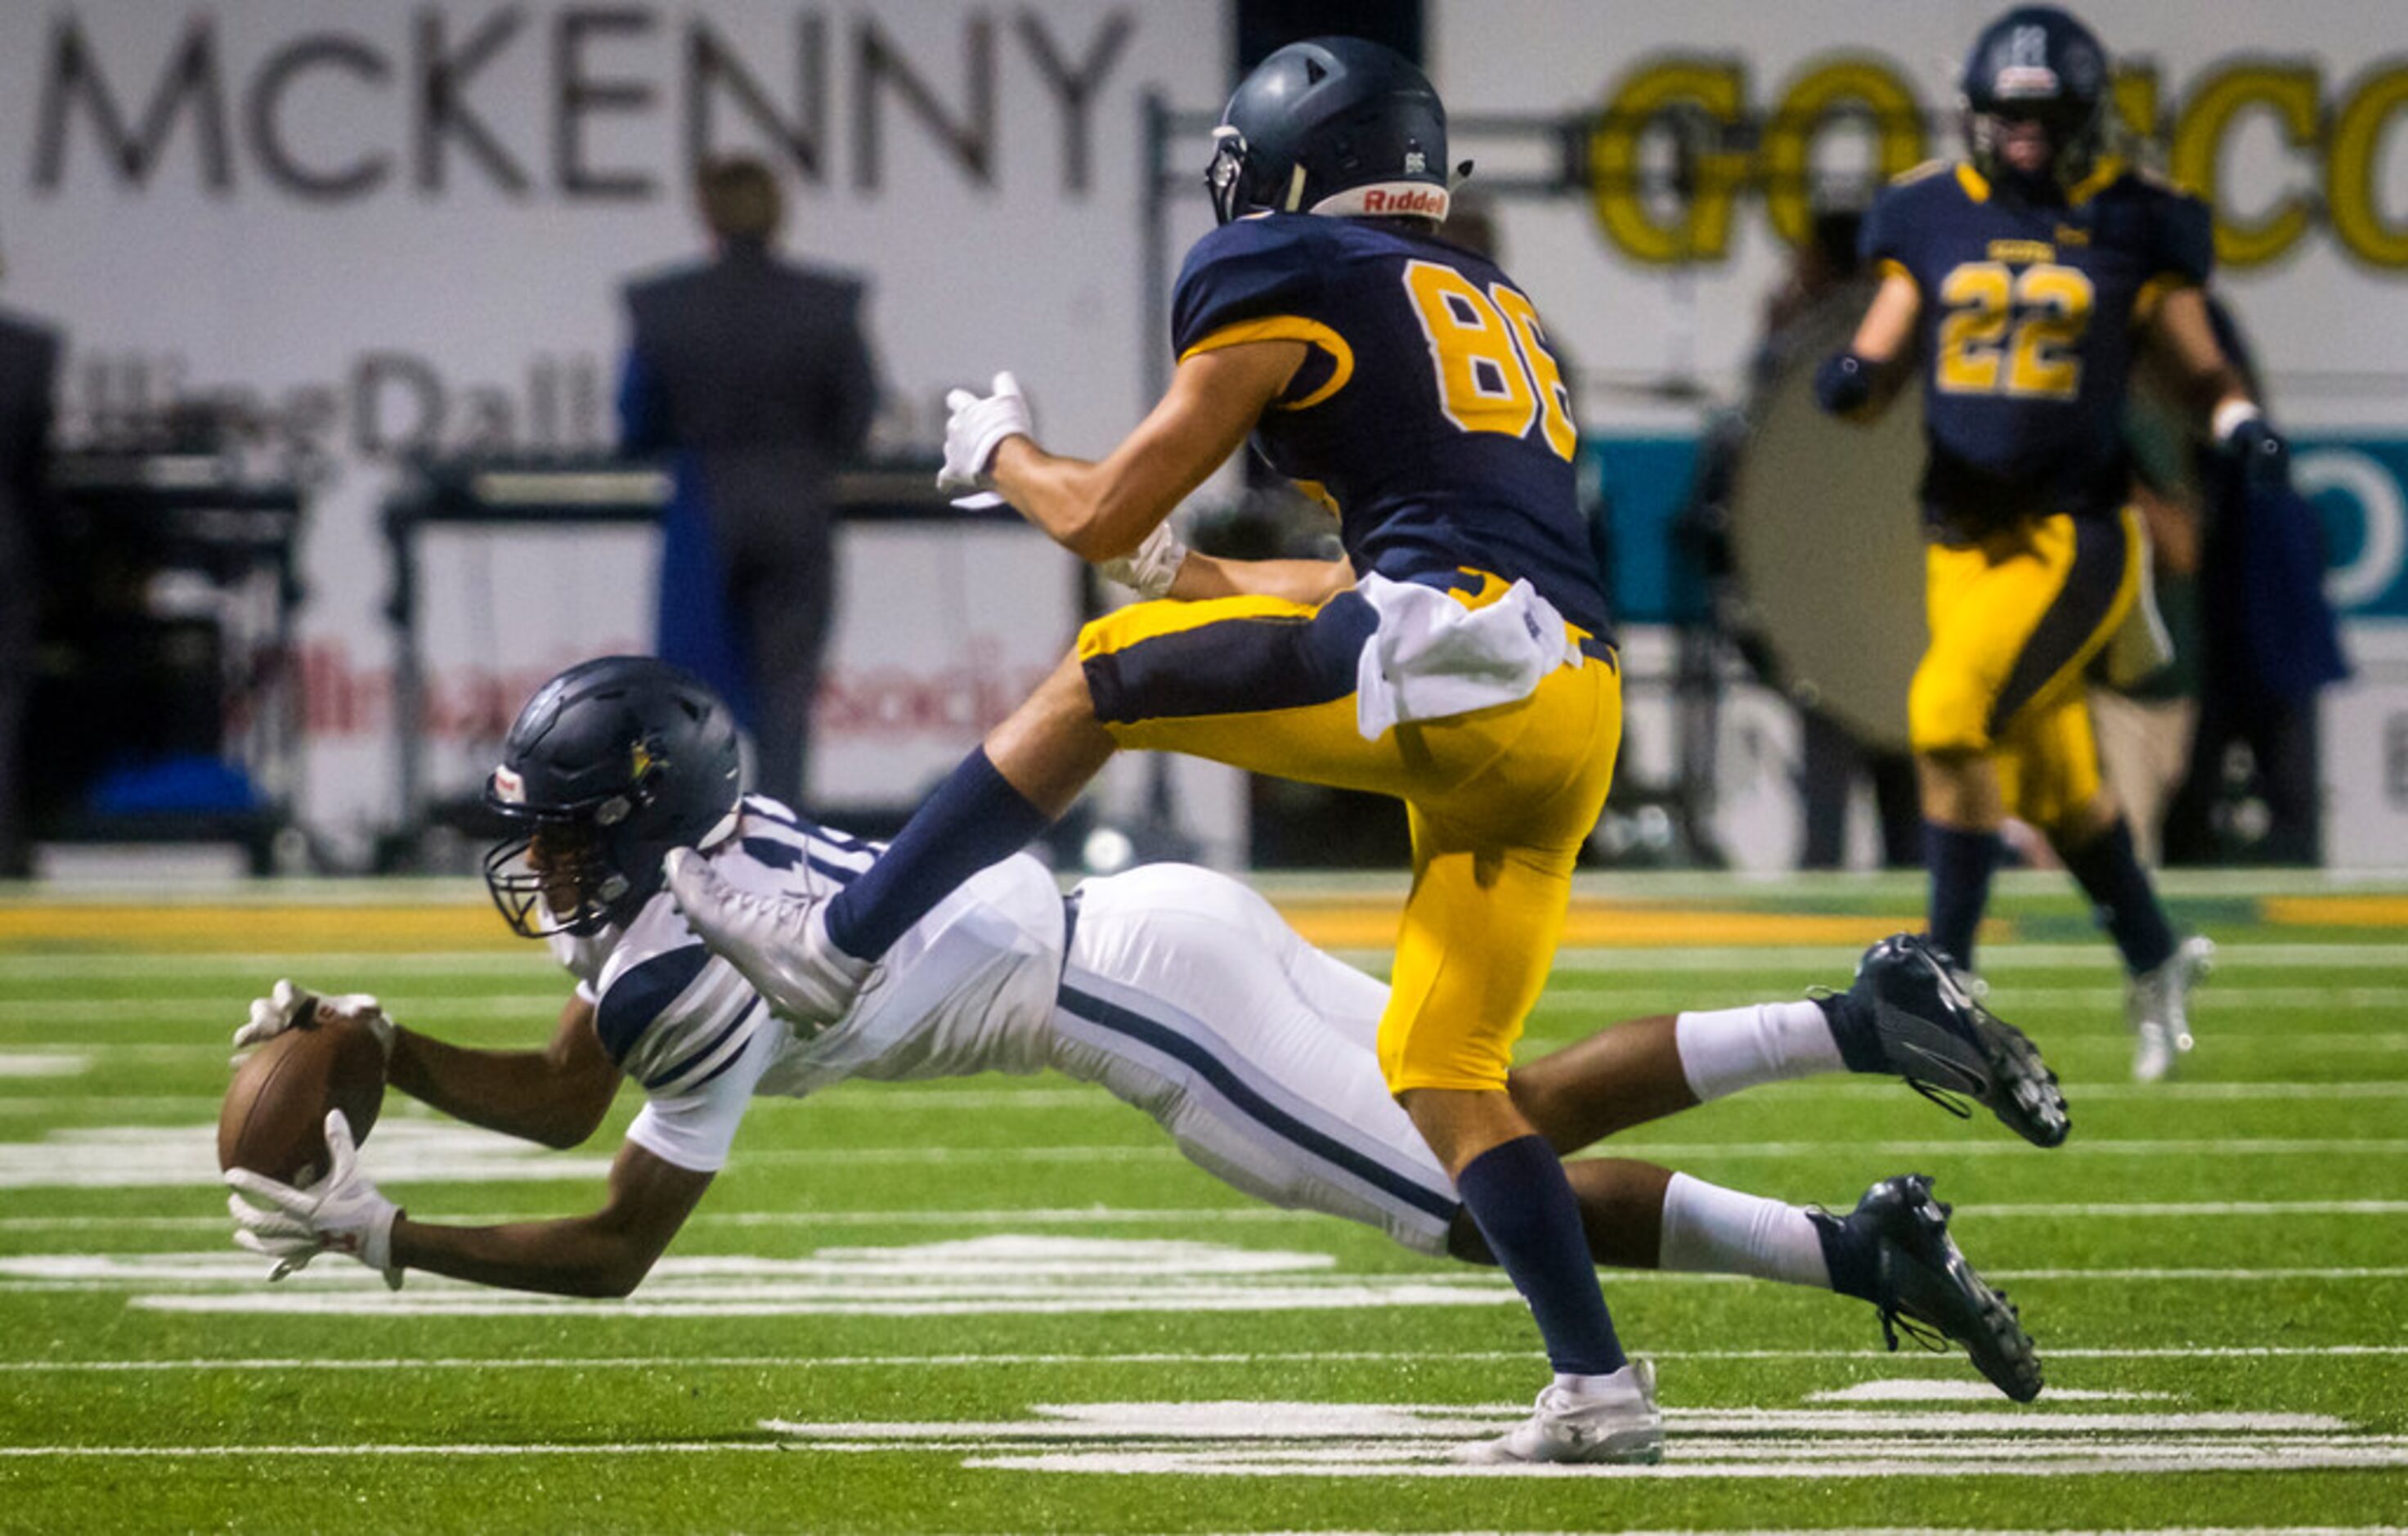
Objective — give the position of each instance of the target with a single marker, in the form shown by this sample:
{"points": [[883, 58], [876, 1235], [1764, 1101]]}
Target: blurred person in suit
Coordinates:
{"points": [[29, 366], [755, 374]]}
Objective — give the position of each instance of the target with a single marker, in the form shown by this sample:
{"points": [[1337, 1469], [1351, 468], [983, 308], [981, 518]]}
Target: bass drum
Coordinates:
{"points": [[1827, 543]]}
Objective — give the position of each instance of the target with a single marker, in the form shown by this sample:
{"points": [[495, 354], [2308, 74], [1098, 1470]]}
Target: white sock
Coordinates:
{"points": [[1624, 1380], [1728, 1049], [1708, 1230]]}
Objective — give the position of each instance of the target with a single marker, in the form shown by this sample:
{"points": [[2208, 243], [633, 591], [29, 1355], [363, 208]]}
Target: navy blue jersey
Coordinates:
{"points": [[2031, 313], [1429, 414]]}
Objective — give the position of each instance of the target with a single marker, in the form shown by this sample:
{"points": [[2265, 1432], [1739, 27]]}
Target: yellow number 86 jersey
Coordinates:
{"points": [[1430, 414], [2031, 312]]}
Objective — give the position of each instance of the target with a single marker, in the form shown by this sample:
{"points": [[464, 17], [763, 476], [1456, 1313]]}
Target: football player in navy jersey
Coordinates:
{"points": [[2018, 286], [1175, 989], [1457, 658]]}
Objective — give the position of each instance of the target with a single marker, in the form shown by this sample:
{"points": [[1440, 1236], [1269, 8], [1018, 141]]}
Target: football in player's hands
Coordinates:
{"points": [[274, 1119]]}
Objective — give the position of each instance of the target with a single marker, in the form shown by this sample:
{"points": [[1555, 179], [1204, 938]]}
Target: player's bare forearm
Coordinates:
{"points": [[2184, 335], [556, 1095], [1309, 581], [606, 1254], [1880, 352], [1101, 509]]}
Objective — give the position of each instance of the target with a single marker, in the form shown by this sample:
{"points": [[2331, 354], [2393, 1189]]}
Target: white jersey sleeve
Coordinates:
{"points": [[969, 988]]}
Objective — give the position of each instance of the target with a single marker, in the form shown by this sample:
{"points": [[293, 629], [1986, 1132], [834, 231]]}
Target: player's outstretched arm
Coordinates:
{"points": [[606, 1254], [2184, 333], [1857, 383], [1102, 509], [556, 1095]]}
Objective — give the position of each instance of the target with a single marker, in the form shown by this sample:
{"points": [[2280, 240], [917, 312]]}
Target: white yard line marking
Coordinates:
{"points": [[1290, 1439], [638, 1447], [1189, 1217], [102, 965], [539, 1009], [1149, 1360], [1956, 1389], [45, 1064], [880, 1099], [2188, 1146]]}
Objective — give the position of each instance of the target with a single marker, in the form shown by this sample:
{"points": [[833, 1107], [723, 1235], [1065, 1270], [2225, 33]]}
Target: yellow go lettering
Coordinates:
{"points": [[2351, 190], [2289, 92], [1494, 371], [2048, 307], [1701, 231], [1808, 108]]}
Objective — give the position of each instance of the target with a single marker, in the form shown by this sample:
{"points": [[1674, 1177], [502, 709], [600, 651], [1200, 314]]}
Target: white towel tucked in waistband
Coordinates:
{"points": [[1432, 657]]}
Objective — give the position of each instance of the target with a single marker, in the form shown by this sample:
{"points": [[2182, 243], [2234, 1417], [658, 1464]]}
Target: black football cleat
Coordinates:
{"points": [[1923, 1285], [1908, 1013]]}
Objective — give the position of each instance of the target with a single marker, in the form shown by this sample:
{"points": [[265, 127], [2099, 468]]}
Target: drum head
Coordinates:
{"points": [[1827, 542]]}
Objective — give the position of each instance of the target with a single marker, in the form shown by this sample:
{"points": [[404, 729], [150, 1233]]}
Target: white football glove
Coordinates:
{"points": [[1151, 567], [341, 1212], [288, 1005], [977, 428]]}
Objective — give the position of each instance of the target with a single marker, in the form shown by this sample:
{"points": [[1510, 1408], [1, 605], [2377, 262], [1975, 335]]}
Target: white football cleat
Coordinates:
{"points": [[2157, 1004], [1619, 1422], [779, 943]]}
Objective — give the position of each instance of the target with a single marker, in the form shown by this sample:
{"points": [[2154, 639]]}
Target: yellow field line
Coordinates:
{"points": [[404, 928], [2337, 912]]}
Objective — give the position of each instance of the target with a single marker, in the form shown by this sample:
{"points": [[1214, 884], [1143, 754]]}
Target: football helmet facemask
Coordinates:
{"points": [[2036, 63], [609, 767], [1334, 125]]}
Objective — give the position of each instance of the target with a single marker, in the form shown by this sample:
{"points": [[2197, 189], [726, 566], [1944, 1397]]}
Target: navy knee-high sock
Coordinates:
{"points": [[974, 819], [1523, 1204], [1960, 864], [2110, 874]]}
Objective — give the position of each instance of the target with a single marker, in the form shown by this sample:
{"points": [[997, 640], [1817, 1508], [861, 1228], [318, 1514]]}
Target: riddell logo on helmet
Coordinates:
{"points": [[1425, 202]]}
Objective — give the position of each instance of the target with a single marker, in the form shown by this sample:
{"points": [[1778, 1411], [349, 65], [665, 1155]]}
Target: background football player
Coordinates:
{"points": [[1179, 990], [2018, 286]]}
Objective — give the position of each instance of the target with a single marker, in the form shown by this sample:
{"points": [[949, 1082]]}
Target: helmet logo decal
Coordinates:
{"points": [[2026, 73], [612, 811], [1387, 200], [1416, 163], [508, 787], [639, 761]]}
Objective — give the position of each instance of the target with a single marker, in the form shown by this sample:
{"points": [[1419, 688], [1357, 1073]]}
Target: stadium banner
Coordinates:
{"points": [[390, 228], [382, 230]]}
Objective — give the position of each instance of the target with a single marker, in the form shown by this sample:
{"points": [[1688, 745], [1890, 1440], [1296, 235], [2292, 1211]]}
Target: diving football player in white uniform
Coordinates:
{"points": [[1179, 990]]}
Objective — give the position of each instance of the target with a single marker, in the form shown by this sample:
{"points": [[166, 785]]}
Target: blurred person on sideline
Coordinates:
{"points": [[755, 374], [1826, 274], [29, 366]]}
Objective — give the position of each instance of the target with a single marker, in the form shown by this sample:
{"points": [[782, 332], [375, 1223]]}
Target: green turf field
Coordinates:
{"points": [[1007, 1304]]}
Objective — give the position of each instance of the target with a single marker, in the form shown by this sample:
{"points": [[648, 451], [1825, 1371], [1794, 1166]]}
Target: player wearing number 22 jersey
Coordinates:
{"points": [[2019, 286]]}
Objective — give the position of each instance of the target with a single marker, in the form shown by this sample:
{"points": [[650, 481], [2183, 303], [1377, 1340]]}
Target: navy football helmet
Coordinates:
{"points": [[1335, 125], [609, 767], [2036, 63]]}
